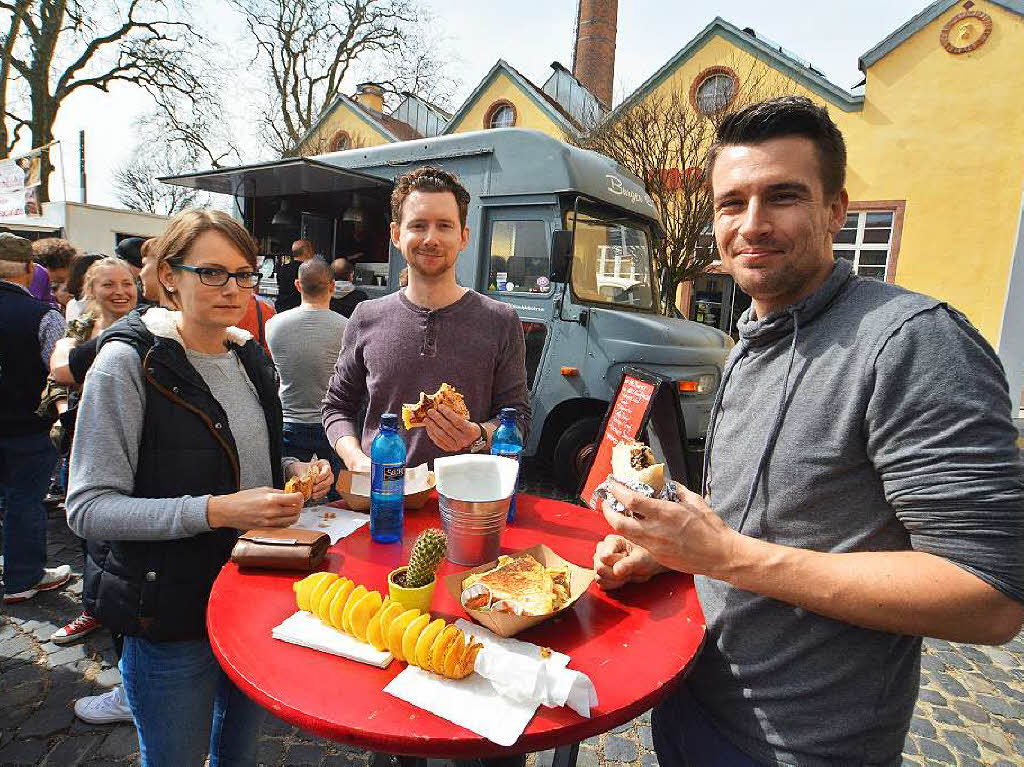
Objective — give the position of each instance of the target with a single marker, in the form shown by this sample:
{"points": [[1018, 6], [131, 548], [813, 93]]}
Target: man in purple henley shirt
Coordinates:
{"points": [[433, 331]]}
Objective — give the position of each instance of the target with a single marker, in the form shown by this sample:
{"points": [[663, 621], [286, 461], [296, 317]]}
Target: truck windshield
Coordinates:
{"points": [[612, 261]]}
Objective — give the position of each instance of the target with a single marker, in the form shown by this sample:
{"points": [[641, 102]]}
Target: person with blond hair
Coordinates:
{"points": [[184, 451]]}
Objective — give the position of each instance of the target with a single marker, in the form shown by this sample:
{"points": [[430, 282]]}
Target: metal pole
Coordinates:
{"points": [[63, 177], [81, 165]]}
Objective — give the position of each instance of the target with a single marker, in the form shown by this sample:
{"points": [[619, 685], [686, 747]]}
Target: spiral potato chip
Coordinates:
{"points": [[409, 635]]}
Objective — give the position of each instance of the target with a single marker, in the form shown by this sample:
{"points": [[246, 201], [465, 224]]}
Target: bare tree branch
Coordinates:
{"points": [[663, 139], [308, 47], [60, 46], [137, 188]]}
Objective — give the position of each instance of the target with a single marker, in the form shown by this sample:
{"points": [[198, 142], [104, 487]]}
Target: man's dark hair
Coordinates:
{"points": [[315, 277], [76, 273], [130, 249], [782, 118], [53, 252], [428, 179]]}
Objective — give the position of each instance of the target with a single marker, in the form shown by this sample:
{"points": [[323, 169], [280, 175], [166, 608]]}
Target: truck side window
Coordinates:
{"points": [[519, 260]]}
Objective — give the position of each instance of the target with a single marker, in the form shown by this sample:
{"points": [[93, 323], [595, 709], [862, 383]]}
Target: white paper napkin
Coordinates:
{"points": [[305, 630], [343, 523], [497, 702], [417, 479]]}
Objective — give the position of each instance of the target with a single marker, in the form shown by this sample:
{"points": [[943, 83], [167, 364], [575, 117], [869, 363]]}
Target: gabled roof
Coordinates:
{"points": [[544, 102], [919, 22], [773, 56], [390, 128]]}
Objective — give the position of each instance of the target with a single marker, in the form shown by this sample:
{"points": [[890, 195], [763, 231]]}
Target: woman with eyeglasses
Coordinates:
{"points": [[184, 451]]}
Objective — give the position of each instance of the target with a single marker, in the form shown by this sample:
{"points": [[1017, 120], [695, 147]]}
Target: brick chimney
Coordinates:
{"points": [[371, 96], [593, 59]]}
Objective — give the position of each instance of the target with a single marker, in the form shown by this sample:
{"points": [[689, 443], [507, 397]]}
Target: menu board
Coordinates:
{"points": [[645, 406]]}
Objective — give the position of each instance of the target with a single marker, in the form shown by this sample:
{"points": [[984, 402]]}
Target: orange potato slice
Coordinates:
{"points": [[425, 642], [346, 614], [453, 656], [375, 636], [323, 607], [338, 603], [440, 647], [412, 635], [367, 607], [397, 629], [387, 614], [319, 589]]}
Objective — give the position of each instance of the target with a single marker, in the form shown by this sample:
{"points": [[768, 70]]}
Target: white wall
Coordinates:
{"points": [[1011, 334]]}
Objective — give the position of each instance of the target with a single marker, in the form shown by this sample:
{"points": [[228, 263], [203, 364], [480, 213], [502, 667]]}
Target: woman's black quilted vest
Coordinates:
{"points": [[159, 589]]}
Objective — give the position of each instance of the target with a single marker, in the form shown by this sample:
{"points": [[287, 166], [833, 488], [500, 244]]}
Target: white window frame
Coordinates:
{"points": [[858, 246]]}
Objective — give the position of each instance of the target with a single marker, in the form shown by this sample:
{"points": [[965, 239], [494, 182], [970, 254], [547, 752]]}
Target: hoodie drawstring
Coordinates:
{"points": [[773, 434]]}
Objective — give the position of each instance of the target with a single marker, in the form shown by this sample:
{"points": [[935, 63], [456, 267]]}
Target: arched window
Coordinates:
{"points": [[714, 90], [339, 141], [502, 114]]}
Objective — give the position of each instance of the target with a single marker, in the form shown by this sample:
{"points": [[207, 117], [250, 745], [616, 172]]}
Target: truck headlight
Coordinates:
{"points": [[703, 384]]}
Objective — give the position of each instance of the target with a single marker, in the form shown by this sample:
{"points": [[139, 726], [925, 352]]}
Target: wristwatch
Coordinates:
{"points": [[480, 442]]}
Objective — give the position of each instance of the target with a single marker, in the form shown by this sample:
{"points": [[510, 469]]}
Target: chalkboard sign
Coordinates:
{"points": [[646, 408]]}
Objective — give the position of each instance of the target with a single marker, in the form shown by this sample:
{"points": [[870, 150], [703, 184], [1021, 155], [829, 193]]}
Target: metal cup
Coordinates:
{"points": [[473, 528]]}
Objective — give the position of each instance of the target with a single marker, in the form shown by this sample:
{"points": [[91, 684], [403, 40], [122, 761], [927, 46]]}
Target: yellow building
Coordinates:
{"points": [[506, 99], [361, 121], [935, 139]]}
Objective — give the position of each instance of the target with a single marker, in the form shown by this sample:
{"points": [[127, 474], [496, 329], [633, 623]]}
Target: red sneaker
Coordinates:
{"points": [[79, 628]]}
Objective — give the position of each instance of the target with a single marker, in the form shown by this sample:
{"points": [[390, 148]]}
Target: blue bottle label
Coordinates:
{"points": [[393, 473]]}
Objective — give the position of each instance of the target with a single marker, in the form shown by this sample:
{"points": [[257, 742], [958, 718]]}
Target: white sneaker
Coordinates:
{"points": [[53, 578], [109, 707]]}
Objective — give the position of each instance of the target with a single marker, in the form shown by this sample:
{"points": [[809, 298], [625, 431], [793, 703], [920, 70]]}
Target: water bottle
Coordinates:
{"points": [[387, 482], [507, 441]]}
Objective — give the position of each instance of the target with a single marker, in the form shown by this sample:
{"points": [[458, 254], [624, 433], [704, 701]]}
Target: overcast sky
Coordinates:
{"points": [[530, 34]]}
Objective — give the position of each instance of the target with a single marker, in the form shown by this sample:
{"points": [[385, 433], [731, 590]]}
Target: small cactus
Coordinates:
{"points": [[427, 553]]}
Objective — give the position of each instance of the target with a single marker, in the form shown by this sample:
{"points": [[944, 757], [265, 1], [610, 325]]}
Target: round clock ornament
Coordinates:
{"points": [[965, 32]]}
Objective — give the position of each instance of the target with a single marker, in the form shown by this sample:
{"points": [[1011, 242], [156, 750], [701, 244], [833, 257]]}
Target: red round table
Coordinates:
{"points": [[634, 643]]}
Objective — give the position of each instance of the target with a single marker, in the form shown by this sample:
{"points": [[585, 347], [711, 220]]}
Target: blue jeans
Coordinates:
{"points": [[685, 735], [301, 440], [184, 705], [26, 465]]}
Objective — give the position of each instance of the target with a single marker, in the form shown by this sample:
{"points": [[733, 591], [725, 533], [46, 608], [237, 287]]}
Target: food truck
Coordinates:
{"points": [[562, 235]]}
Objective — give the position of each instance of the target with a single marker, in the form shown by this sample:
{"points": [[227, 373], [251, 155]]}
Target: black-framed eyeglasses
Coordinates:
{"points": [[217, 278]]}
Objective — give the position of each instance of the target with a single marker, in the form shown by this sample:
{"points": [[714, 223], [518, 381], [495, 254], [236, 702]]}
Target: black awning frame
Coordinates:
{"points": [[281, 178]]}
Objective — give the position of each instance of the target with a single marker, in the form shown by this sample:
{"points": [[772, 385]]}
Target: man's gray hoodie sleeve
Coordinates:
{"points": [[942, 439], [105, 456]]}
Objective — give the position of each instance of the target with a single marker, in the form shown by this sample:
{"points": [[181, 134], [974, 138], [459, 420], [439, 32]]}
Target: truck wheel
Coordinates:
{"points": [[573, 452]]}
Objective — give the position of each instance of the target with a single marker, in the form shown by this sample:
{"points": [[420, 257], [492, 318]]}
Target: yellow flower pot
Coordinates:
{"points": [[418, 598]]}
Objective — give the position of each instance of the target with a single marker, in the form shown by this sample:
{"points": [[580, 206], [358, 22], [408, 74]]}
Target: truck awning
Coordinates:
{"points": [[278, 179]]}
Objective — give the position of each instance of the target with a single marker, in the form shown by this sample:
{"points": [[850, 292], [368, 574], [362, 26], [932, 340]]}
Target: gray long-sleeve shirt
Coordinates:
{"points": [[105, 453], [393, 350], [896, 435]]}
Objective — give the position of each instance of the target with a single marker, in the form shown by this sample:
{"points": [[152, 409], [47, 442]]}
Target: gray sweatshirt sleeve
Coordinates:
{"points": [[941, 437], [105, 456], [510, 388]]}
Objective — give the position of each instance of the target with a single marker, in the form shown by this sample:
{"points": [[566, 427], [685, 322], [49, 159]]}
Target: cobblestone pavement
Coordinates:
{"points": [[970, 711]]}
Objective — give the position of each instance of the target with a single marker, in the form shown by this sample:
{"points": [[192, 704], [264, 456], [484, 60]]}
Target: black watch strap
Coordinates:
{"points": [[481, 442]]}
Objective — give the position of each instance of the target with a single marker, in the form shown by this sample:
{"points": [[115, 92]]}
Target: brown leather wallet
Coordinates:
{"points": [[280, 548]]}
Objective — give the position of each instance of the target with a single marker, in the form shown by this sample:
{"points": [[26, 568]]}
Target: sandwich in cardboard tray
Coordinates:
{"points": [[517, 585]]}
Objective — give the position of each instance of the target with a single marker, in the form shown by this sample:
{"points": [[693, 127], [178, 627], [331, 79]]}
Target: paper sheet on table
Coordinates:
{"points": [[498, 708], [307, 631], [343, 523], [417, 479]]}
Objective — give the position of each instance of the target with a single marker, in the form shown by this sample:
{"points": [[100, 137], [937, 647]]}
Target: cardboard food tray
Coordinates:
{"points": [[413, 501], [505, 624]]}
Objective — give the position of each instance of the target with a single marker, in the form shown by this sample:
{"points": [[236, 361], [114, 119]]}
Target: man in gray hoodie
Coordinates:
{"points": [[862, 483]]}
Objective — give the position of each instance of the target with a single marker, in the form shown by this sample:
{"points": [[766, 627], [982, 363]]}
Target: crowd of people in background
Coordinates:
{"points": [[57, 302]]}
